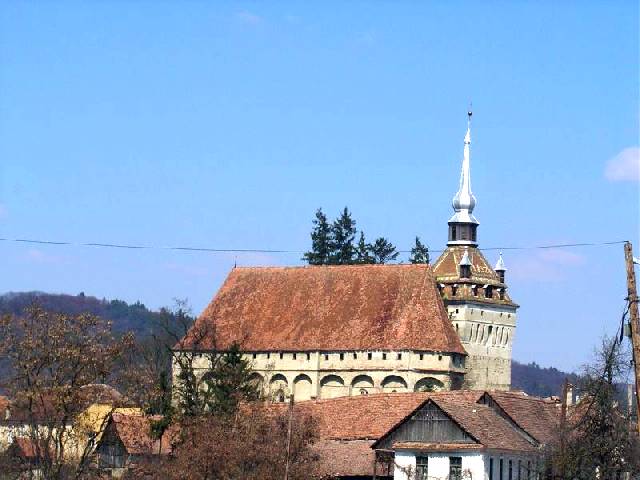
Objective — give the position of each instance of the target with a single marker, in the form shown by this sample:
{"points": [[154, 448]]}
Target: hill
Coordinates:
{"points": [[538, 381], [125, 317]]}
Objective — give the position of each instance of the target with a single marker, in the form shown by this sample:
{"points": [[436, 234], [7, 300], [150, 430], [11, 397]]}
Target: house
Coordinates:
{"points": [[328, 331], [127, 442], [498, 436]]}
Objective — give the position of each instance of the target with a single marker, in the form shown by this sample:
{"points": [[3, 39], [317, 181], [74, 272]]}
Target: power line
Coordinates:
{"points": [[260, 250]]}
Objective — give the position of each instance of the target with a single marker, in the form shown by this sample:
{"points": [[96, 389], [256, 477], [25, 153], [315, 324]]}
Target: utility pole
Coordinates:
{"points": [[286, 466], [632, 298]]}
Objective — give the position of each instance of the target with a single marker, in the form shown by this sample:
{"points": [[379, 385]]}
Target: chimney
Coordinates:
{"points": [[569, 399]]}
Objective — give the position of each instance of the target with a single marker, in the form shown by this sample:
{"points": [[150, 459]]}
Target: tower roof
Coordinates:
{"points": [[464, 202], [500, 265]]}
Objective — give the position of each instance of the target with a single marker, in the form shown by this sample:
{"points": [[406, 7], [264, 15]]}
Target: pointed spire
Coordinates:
{"points": [[464, 202], [500, 265]]}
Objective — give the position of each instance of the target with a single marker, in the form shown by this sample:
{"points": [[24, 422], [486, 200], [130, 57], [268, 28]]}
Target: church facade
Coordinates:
{"points": [[330, 331]]}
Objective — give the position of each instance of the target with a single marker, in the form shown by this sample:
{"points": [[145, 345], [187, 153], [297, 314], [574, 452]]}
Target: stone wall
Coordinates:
{"points": [[487, 334], [329, 374]]}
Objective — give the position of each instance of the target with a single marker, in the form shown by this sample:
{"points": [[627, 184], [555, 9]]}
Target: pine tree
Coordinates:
{"points": [[383, 251], [230, 382], [320, 241], [363, 251], [343, 234], [419, 253]]}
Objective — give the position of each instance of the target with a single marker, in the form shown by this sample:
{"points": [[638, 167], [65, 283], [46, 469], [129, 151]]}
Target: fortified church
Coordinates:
{"points": [[331, 331]]}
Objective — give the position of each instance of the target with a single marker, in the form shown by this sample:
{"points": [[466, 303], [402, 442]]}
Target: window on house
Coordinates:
{"points": [[384, 356], [355, 356], [500, 472], [326, 356], [308, 356], [519, 469], [268, 356], [342, 356], [439, 358], [491, 469], [457, 310], [488, 292], [454, 290], [422, 467], [399, 356], [369, 355], [363, 391], [295, 356], [422, 356], [455, 468], [528, 470], [474, 290], [473, 234], [255, 355], [281, 396], [453, 233], [281, 355], [510, 470]]}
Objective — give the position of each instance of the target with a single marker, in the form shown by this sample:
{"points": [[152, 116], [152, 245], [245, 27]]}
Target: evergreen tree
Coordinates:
{"points": [[383, 251], [363, 251], [419, 253], [230, 382], [343, 234], [320, 241]]}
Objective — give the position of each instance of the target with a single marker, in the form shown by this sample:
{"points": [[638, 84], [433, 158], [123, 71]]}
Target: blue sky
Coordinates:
{"points": [[227, 124]]}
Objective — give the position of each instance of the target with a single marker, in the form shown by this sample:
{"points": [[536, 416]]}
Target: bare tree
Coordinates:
{"points": [[596, 440], [54, 359], [250, 445]]}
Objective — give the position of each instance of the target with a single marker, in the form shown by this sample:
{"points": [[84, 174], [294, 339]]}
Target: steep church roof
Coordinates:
{"points": [[355, 307]]}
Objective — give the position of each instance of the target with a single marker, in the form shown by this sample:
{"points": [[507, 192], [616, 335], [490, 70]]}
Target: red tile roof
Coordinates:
{"points": [[539, 417], [134, 431], [356, 307], [484, 424]]}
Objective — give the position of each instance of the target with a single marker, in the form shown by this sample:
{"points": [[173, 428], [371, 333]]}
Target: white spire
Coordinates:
{"points": [[500, 265], [464, 202]]}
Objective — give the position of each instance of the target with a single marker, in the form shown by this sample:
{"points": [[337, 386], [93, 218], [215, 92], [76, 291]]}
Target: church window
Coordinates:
{"points": [[295, 356], [399, 356], [255, 355], [342, 356], [326, 356], [308, 356], [457, 310], [439, 358], [268, 356], [422, 356], [455, 468], [384, 356], [355, 356], [281, 355], [369, 355], [422, 467]]}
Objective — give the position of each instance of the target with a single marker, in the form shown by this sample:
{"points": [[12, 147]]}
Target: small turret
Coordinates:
{"points": [[465, 266], [500, 268]]}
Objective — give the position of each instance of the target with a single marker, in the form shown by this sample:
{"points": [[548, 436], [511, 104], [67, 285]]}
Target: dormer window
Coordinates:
{"points": [[474, 290], [488, 291]]}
